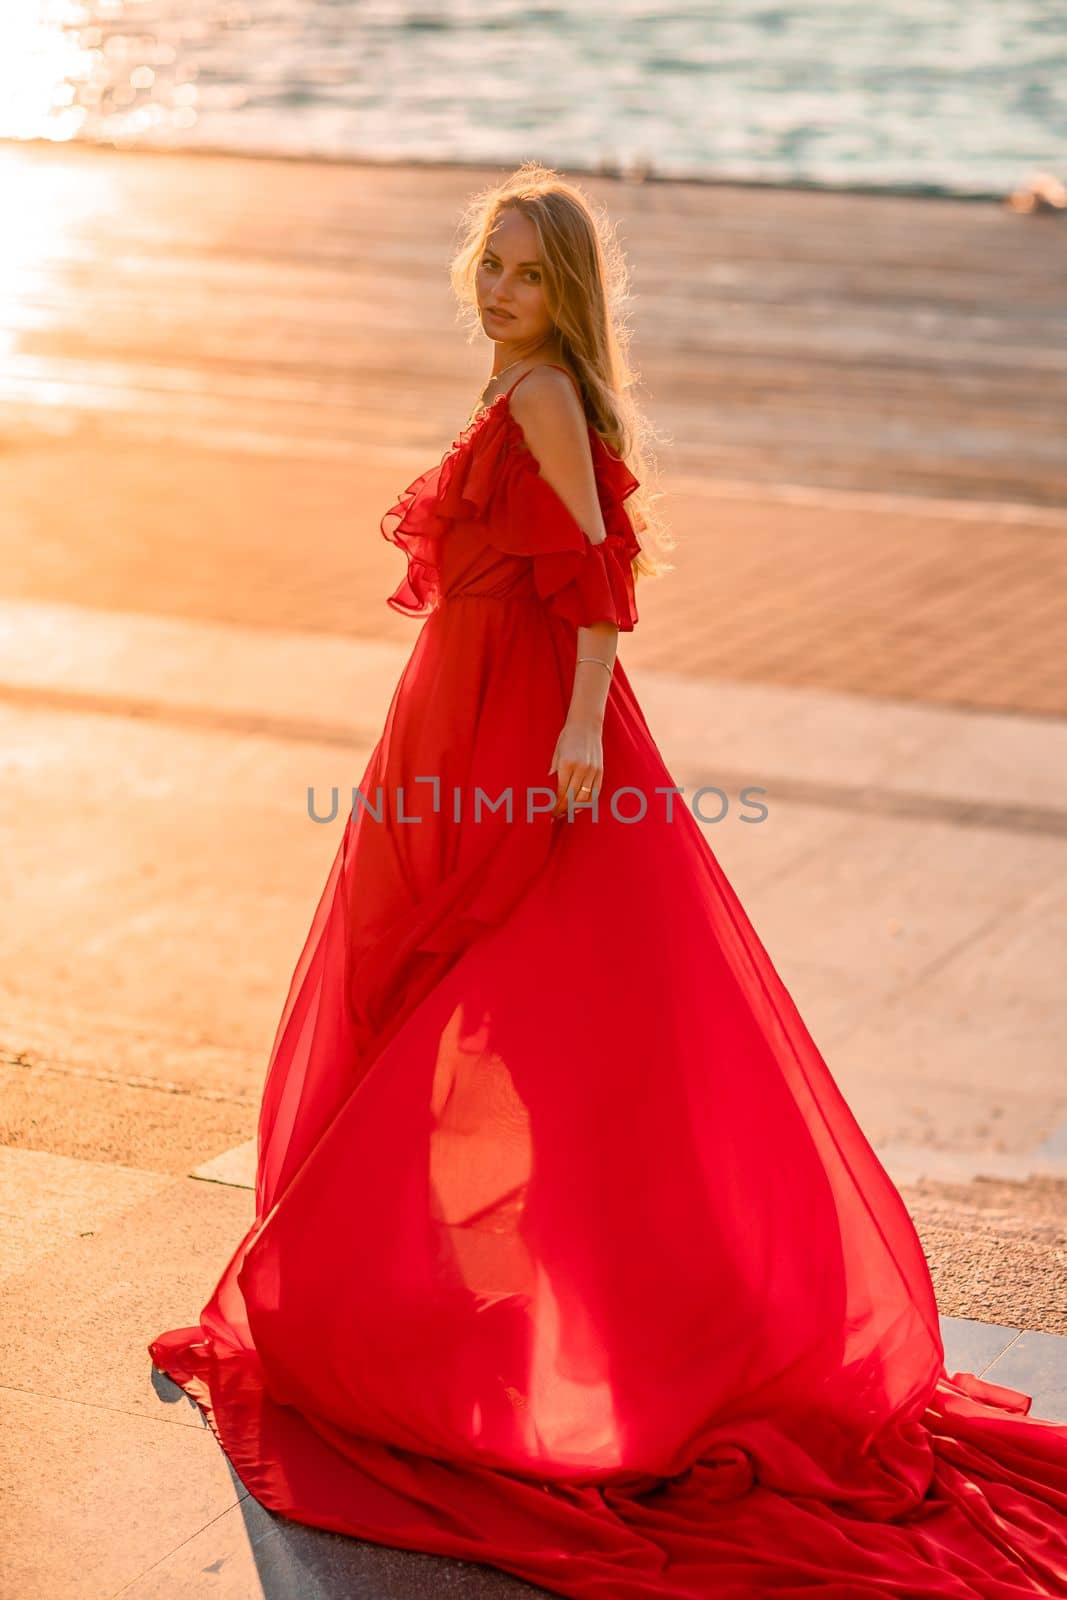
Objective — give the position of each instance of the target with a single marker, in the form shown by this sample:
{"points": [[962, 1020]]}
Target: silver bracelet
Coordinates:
{"points": [[605, 664]]}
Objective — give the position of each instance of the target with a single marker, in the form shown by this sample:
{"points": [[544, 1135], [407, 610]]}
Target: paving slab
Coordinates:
{"points": [[94, 1495], [319, 687], [972, 1346], [80, 1331], [180, 842], [48, 1200], [1035, 1363], [251, 1552]]}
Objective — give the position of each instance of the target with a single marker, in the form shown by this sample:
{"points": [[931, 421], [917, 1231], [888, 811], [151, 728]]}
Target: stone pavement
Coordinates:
{"points": [[953, 602], [156, 766], [906, 345], [231, 368]]}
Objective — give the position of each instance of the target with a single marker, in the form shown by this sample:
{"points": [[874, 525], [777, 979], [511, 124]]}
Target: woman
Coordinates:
{"points": [[569, 1257]]}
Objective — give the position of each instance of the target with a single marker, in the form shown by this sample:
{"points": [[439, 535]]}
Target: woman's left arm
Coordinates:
{"points": [[554, 428], [579, 756]]}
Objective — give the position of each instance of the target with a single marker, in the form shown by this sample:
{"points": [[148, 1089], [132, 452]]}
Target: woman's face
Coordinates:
{"points": [[510, 280]]}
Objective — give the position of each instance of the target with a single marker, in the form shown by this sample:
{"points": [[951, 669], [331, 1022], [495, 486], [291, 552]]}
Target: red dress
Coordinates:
{"points": [[569, 1256]]}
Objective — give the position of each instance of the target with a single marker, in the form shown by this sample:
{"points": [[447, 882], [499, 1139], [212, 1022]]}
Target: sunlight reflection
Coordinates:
{"points": [[91, 69], [481, 1166], [481, 1153], [54, 207], [570, 1401], [42, 61]]}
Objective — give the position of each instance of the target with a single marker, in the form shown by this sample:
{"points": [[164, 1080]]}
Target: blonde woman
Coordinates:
{"points": [[569, 1257]]}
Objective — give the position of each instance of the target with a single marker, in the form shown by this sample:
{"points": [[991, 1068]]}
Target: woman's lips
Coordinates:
{"points": [[505, 316]]}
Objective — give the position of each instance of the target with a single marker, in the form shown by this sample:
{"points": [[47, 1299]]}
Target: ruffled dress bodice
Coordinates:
{"points": [[484, 523]]}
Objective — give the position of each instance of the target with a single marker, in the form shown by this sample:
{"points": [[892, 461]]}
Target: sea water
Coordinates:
{"points": [[957, 96]]}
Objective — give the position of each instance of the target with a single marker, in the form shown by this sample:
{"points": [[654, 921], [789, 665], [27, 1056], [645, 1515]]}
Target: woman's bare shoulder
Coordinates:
{"points": [[548, 400], [555, 432]]}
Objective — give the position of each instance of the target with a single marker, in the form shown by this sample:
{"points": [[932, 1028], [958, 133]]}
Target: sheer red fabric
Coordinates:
{"points": [[569, 1256]]}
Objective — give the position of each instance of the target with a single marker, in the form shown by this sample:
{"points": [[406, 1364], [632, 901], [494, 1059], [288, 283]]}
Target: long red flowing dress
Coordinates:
{"points": [[569, 1256]]}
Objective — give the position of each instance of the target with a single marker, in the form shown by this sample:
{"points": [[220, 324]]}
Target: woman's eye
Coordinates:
{"points": [[535, 277]]}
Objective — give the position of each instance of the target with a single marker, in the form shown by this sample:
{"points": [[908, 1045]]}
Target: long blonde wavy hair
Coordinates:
{"points": [[587, 289]]}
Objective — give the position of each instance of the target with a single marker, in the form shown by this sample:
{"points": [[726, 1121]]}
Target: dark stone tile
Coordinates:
{"points": [[970, 1346], [1037, 1364], [327, 1566], [251, 1551]]}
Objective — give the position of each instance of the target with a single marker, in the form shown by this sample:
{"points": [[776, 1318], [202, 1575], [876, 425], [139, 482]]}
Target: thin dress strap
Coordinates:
{"points": [[558, 368]]}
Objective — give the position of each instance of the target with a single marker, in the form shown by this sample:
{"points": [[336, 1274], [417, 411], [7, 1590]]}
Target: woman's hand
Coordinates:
{"points": [[578, 761]]}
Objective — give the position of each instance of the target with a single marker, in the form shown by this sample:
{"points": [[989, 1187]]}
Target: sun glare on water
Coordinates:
{"points": [[92, 69], [43, 60]]}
